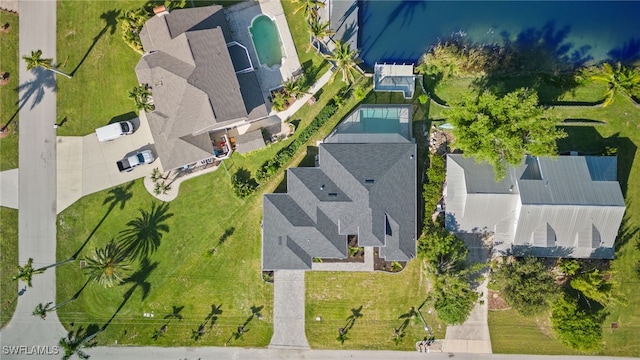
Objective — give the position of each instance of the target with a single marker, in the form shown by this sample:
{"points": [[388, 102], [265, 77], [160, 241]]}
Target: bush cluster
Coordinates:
{"points": [[271, 166], [432, 188]]}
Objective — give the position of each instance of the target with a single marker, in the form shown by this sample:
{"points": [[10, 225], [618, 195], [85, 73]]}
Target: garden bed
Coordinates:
{"points": [[355, 256], [380, 264]]}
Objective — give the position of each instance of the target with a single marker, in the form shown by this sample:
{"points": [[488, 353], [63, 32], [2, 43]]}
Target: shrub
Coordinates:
{"points": [[423, 99], [271, 166], [359, 93], [432, 189], [243, 184], [578, 328], [132, 23]]}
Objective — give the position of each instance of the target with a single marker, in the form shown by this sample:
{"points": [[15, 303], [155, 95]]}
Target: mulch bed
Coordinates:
{"points": [[356, 258], [496, 302], [379, 264]]}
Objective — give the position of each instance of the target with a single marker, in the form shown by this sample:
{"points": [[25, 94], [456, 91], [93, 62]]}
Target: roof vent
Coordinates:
{"points": [[369, 181], [279, 240], [322, 187], [333, 194]]}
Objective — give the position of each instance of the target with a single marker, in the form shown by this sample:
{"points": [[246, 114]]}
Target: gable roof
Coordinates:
{"points": [[364, 189], [192, 79], [568, 206]]}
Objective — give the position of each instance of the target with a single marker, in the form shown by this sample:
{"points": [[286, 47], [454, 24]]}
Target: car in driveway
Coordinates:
{"points": [[131, 162], [114, 131]]}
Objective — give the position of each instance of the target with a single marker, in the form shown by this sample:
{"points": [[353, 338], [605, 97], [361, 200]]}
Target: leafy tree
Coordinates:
{"points": [[318, 31], [243, 184], [345, 61], [26, 272], [108, 266], [502, 131], [443, 251], [145, 232], [74, 345], [569, 267], [619, 80], [576, 327], [527, 285], [454, 298], [295, 88], [593, 286], [36, 60]]}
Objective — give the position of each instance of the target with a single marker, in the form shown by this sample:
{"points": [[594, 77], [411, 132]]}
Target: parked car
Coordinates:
{"points": [[114, 131], [140, 158]]}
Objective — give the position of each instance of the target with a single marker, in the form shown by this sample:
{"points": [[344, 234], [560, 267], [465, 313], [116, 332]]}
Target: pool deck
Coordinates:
{"points": [[343, 17], [239, 17]]}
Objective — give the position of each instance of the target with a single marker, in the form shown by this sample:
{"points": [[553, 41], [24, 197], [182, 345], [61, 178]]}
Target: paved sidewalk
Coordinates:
{"points": [[37, 183], [473, 335], [288, 310], [324, 79]]}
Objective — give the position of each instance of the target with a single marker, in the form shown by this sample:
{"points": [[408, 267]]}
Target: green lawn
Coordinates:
{"points": [[9, 257], [512, 333], [383, 299], [9, 92], [616, 126], [100, 85], [309, 59]]}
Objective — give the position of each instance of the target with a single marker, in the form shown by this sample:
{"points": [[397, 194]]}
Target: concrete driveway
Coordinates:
{"points": [[86, 166]]}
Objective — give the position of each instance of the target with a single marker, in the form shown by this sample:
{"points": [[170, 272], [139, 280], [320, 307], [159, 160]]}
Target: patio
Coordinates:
{"points": [[239, 17]]}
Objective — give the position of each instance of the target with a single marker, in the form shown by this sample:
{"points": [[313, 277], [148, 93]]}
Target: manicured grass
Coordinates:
{"points": [[9, 257], [452, 89], [382, 299], [616, 126], [185, 275], [298, 27], [512, 333], [99, 89], [9, 93]]}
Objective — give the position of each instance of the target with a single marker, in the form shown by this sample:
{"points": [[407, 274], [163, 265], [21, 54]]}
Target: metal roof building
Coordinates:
{"points": [[569, 206]]}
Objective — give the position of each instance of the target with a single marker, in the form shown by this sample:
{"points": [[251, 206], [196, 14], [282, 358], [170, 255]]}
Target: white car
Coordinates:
{"points": [[114, 131]]}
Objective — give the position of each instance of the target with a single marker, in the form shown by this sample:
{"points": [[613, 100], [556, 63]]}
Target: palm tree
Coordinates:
{"points": [[141, 96], [108, 265], [26, 272], [309, 8], [36, 60], [41, 309], [72, 345], [145, 232], [345, 61], [619, 80], [318, 31]]}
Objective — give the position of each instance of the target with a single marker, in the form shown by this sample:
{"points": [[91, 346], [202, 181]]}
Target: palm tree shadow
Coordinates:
{"points": [[139, 279], [35, 89], [145, 232], [213, 315], [117, 195], [111, 20]]}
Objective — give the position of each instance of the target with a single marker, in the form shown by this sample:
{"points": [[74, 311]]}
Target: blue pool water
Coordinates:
{"points": [[266, 40], [577, 31], [380, 121]]}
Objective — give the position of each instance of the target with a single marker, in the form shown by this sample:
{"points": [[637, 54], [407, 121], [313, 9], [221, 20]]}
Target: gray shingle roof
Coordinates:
{"points": [[570, 205], [358, 188], [249, 141], [192, 79]]}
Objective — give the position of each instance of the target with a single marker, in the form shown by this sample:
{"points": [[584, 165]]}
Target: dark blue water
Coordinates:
{"points": [[577, 31]]}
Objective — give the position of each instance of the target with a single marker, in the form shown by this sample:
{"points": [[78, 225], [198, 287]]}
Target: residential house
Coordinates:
{"points": [[201, 82], [566, 206], [364, 184]]}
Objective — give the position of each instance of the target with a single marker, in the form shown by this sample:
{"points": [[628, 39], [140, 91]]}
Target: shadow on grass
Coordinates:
{"points": [[175, 314], [282, 186], [309, 159], [211, 319], [139, 280], [144, 233], [343, 332], [588, 141], [117, 195], [242, 329], [111, 20]]}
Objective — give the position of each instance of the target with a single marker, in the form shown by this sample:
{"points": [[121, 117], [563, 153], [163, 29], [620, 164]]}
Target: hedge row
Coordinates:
{"points": [[271, 166], [432, 188]]}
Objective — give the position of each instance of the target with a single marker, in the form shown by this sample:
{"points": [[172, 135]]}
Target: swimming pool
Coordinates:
{"points": [[266, 41], [578, 31]]}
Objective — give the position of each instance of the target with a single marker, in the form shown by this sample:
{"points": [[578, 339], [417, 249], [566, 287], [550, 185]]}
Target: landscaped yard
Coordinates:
{"points": [[9, 92], [383, 300], [617, 127], [9, 256]]}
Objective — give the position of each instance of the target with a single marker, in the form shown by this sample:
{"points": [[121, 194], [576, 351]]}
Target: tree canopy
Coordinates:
{"points": [[527, 285], [576, 327], [502, 131]]}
